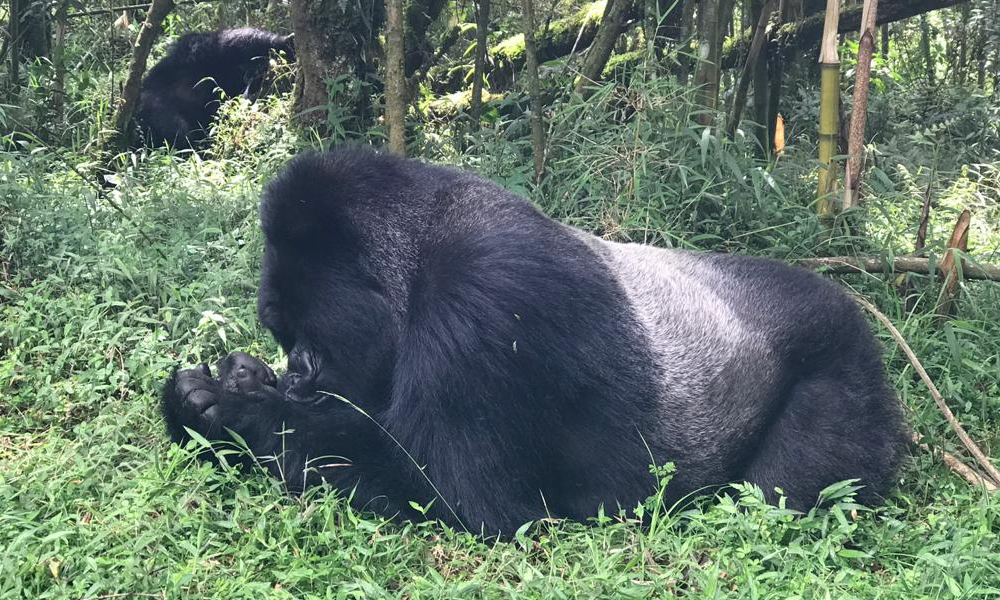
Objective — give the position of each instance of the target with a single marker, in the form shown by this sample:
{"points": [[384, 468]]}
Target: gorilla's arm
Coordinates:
{"points": [[296, 442], [244, 398]]}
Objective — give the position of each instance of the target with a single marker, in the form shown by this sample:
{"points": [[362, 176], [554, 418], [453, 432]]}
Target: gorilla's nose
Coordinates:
{"points": [[301, 361]]}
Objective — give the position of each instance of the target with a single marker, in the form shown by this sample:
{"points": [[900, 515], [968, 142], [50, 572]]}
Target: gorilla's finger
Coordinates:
{"points": [[201, 400], [200, 373], [188, 385]]}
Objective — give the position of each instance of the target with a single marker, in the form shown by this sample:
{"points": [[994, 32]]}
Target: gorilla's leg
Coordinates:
{"points": [[833, 426]]}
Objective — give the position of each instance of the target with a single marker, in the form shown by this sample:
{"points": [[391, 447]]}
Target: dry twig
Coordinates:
{"points": [[898, 264], [984, 461], [963, 470]]}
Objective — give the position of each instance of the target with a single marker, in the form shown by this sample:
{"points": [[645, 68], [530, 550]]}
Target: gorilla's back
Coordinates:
{"points": [[715, 365]]}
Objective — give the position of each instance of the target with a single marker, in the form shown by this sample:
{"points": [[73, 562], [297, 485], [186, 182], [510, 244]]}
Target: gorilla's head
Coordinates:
{"points": [[335, 309]]}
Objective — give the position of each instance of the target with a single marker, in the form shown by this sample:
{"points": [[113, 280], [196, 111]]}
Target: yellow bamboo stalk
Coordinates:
{"points": [[828, 112]]}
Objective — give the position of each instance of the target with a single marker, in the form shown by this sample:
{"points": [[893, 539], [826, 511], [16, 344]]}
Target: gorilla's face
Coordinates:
{"points": [[332, 319]]}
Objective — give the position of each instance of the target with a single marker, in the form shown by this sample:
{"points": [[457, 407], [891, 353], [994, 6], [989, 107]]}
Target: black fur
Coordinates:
{"points": [[502, 351], [179, 94]]}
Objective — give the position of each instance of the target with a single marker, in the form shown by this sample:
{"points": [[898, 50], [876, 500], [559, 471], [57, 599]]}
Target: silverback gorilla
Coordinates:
{"points": [[179, 97], [529, 368]]}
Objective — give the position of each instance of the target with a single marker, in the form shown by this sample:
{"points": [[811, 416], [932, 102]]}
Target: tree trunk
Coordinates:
{"points": [[610, 29], [761, 87], [828, 111], [750, 66], [859, 112], [725, 16], [979, 54], [925, 49], [562, 36], [687, 29], [961, 69], [478, 70], [14, 48], [706, 77], [996, 54], [333, 43], [884, 40], [395, 80], [420, 15], [33, 28], [534, 89], [59, 62], [118, 138]]}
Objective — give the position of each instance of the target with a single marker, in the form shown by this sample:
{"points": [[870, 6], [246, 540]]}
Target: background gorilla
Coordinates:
{"points": [[532, 369], [179, 96]]}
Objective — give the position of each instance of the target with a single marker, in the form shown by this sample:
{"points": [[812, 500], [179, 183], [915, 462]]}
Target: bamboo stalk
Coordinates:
{"points": [[828, 112]]}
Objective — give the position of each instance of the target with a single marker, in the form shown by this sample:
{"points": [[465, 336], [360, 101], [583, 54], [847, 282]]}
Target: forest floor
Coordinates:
{"points": [[95, 503]]}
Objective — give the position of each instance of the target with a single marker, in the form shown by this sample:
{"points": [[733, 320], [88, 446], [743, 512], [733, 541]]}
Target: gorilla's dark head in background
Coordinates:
{"points": [[180, 94], [531, 369]]}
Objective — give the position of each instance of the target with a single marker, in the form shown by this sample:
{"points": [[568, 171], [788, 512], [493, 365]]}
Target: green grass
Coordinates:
{"points": [[95, 503]]}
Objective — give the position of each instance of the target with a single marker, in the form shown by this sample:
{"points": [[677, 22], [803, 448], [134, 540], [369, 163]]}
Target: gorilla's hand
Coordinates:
{"points": [[237, 400]]}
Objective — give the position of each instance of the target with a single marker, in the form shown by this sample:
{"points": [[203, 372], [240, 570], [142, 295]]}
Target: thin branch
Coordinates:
{"points": [[963, 470], [118, 9], [949, 416], [898, 264], [925, 215]]}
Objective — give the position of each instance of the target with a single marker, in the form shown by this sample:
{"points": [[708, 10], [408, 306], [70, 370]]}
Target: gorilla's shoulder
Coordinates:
{"points": [[190, 47], [206, 49], [252, 40]]}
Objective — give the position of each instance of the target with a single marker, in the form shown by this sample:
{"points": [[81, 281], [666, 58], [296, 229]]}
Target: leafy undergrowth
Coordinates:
{"points": [[95, 503]]}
